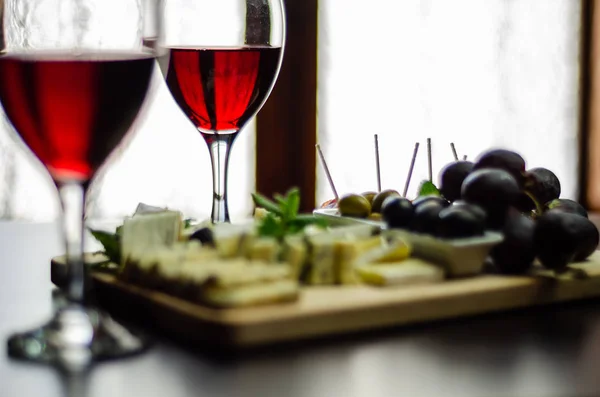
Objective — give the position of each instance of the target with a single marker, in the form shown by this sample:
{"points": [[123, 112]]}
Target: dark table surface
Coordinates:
{"points": [[553, 351]]}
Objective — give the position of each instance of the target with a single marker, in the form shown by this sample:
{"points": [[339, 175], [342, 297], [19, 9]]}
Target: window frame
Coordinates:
{"points": [[286, 127], [589, 126]]}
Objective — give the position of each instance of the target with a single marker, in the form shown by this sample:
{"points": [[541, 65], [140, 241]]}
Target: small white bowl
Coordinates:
{"points": [[460, 257], [335, 219]]}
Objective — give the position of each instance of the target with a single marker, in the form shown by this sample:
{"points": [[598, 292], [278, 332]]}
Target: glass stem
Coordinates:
{"points": [[72, 198], [219, 147]]}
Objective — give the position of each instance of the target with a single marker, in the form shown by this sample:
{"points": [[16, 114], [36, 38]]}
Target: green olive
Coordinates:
{"points": [[369, 196], [354, 205], [375, 216], [381, 196]]}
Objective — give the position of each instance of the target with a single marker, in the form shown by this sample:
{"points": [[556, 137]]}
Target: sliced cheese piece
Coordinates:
{"points": [[322, 260], [173, 261], [198, 274], [393, 252], [264, 248], [231, 240], [408, 272], [324, 257], [295, 254], [144, 209], [166, 262], [231, 272], [229, 247], [142, 232], [349, 251], [396, 251], [241, 272], [254, 294]]}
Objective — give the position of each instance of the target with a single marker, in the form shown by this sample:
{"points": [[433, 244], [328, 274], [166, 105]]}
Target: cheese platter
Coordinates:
{"points": [[333, 310], [360, 262]]}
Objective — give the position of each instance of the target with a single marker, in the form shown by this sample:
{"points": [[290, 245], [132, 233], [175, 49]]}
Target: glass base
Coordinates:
{"points": [[74, 338]]}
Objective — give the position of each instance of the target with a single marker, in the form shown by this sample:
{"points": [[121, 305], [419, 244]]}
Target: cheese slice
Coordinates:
{"points": [[237, 282], [264, 248], [242, 272], [408, 272], [385, 252], [231, 240], [327, 265], [173, 262], [151, 230], [295, 254], [254, 294], [322, 260], [349, 252]]}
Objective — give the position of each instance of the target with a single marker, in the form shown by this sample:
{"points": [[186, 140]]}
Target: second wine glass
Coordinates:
{"points": [[221, 63]]}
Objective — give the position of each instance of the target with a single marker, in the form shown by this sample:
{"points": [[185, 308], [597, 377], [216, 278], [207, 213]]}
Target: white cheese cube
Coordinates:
{"points": [[149, 231]]}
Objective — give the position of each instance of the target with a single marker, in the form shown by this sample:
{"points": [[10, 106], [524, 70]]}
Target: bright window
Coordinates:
{"points": [[476, 73]]}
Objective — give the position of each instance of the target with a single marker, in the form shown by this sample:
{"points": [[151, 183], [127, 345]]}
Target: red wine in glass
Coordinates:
{"points": [[72, 111], [219, 90]]}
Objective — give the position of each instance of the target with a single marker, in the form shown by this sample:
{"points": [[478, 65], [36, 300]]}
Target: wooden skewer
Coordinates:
{"points": [[454, 151], [410, 169], [429, 159], [377, 163], [327, 173], [465, 157]]}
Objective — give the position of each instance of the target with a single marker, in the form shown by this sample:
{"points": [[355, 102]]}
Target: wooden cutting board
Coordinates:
{"points": [[330, 310]]}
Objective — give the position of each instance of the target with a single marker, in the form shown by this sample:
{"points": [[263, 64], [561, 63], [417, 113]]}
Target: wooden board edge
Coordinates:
{"points": [[168, 313]]}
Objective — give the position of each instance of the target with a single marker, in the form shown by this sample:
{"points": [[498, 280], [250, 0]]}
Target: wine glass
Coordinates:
{"points": [[221, 62], [73, 76]]}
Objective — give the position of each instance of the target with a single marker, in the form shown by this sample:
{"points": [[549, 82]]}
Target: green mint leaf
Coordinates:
{"points": [[271, 226], [294, 228], [282, 201], [301, 221], [427, 188], [293, 203], [263, 202], [187, 222], [283, 205], [309, 219], [282, 218], [111, 244]]}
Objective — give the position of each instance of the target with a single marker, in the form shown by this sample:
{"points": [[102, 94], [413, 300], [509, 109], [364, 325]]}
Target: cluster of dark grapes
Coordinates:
{"points": [[498, 193]]}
